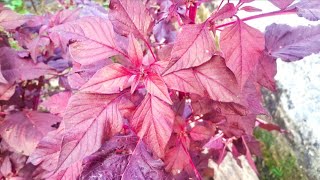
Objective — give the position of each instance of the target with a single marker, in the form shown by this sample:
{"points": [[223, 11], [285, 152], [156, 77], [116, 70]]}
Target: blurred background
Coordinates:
{"points": [[295, 106]]}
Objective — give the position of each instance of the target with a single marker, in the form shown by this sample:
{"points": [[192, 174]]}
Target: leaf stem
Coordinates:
{"points": [[198, 176], [274, 13], [149, 47]]}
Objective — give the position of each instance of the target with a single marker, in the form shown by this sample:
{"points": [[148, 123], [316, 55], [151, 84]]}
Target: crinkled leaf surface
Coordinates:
{"points": [[108, 80], [123, 157], [23, 130], [242, 46], [130, 16], [194, 46], [94, 36], [309, 9], [292, 43], [153, 121]]}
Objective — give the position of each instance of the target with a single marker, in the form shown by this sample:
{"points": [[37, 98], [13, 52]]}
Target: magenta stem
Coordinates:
{"points": [[274, 13]]}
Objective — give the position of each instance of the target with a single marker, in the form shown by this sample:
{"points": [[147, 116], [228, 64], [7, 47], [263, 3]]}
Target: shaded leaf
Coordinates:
{"points": [[89, 120], [267, 69], [23, 130], [200, 133], [6, 91]]}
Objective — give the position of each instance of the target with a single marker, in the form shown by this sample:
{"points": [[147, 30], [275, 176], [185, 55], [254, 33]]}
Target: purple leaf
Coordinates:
{"points": [[14, 68], [23, 130], [6, 91], [123, 157], [309, 9], [292, 43], [57, 103], [10, 20]]}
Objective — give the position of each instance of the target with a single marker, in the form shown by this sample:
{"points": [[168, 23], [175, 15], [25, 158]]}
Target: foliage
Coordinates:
{"points": [[277, 163], [144, 88]]}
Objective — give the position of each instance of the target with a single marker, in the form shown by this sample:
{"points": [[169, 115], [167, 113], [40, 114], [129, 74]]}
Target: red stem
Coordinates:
{"points": [[149, 47], [193, 13], [198, 176], [274, 13]]}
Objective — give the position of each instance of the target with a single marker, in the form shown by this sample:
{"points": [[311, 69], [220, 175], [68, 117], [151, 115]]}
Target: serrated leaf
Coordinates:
{"points": [[89, 120], [153, 121], [130, 16], [242, 46], [292, 43], [94, 36], [23, 130], [156, 87], [108, 80], [309, 9], [194, 46], [281, 4]]}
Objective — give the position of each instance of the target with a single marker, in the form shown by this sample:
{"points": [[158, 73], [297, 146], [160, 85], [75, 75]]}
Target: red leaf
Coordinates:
{"points": [[249, 157], [135, 51], [227, 11], [177, 159], [6, 91], [94, 36], [130, 16], [89, 119], [194, 46], [73, 172], [23, 130], [242, 46], [108, 80], [218, 80], [156, 87], [200, 133], [10, 20], [269, 127], [57, 103], [153, 121], [250, 9], [215, 142], [282, 4], [6, 167], [266, 70], [184, 80], [14, 68], [47, 152]]}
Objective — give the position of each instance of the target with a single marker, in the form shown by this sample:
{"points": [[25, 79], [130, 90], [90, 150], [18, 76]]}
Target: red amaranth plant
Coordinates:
{"points": [[143, 87]]}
